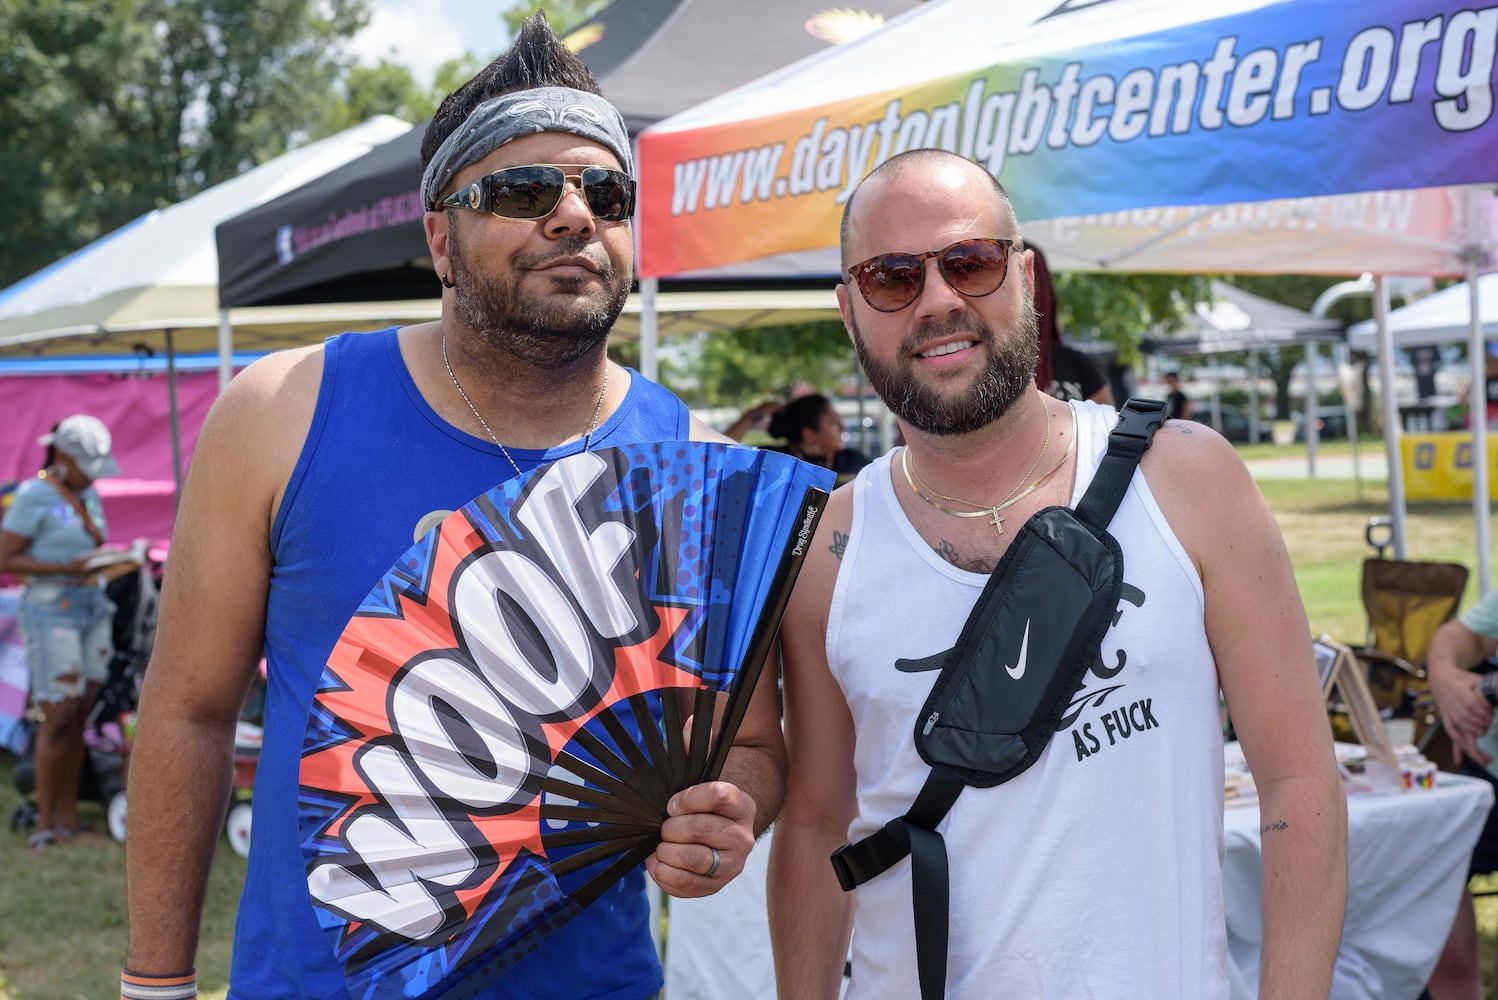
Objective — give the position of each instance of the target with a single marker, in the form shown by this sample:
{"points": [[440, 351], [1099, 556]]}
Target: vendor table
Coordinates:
{"points": [[1407, 856]]}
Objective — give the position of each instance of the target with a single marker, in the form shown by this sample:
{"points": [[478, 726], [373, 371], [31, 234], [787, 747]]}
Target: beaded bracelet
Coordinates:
{"points": [[138, 986]]}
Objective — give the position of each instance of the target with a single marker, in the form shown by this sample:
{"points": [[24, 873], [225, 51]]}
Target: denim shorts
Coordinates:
{"points": [[69, 634]]}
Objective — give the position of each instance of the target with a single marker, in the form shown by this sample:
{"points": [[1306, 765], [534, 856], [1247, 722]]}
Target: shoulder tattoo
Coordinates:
{"points": [[839, 544]]}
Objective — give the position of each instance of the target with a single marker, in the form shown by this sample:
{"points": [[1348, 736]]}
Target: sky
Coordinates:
{"points": [[423, 34]]}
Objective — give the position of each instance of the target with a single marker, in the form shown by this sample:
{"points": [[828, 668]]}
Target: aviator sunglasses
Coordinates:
{"points": [[975, 268], [534, 191]]}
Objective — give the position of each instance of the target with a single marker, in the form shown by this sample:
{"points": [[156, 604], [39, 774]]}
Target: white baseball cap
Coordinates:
{"points": [[86, 441]]}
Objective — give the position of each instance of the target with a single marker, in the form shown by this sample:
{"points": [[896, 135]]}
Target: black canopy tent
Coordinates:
{"points": [[354, 235]]}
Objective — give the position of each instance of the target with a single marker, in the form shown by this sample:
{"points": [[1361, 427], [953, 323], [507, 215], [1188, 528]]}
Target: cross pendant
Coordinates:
{"points": [[997, 521]]}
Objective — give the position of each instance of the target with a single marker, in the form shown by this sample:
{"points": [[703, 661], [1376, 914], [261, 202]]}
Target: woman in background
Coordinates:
{"points": [[813, 432], [53, 526]]}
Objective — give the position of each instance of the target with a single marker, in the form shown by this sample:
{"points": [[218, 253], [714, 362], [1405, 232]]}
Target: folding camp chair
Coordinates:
{"points": [[1406, 602]]}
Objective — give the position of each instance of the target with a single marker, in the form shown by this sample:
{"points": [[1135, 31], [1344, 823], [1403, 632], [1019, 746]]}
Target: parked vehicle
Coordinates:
{"points": [[1331, 422], [1234, 424]]}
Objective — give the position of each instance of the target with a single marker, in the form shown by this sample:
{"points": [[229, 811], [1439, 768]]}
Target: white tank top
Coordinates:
{"points": [[1098, 871]]}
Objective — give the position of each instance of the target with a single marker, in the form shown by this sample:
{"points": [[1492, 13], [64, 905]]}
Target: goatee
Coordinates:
{"points": [[1006, 378], [540, 329]]}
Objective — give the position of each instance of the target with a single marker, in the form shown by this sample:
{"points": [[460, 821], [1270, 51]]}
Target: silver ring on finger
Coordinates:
{"points": [[713, 868]]}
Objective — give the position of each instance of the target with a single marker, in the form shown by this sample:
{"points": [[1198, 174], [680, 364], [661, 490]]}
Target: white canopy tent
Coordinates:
{"points": [[1291, 136], [1444, 317], [158, 274]]}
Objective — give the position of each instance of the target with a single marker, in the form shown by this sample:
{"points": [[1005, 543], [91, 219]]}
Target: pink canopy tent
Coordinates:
{"points": [[136, 408]]}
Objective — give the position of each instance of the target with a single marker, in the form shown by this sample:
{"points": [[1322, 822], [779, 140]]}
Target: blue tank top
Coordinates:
{"points": [[378, 461]]}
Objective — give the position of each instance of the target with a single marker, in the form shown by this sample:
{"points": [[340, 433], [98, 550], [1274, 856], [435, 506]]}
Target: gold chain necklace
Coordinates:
{"points": [[985, 510], [592, 424], [1009, 498]]}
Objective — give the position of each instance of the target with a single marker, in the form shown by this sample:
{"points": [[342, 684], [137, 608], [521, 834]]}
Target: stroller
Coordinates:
{"points": [[110, 720]]}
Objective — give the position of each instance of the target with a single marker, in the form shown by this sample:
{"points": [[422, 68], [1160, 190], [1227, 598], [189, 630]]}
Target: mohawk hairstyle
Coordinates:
{"points": [[537, 58]]}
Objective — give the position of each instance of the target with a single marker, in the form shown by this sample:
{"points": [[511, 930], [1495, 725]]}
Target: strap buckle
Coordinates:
{"points": [[840, 866], [1142, 412]]}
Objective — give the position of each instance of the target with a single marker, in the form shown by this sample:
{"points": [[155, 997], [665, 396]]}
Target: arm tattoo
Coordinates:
{"points": [[1274, 827], [839, 544]]}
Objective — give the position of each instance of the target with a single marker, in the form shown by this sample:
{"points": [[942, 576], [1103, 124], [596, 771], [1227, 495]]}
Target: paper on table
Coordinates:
{"points": [[114, 557], [101, 558]]}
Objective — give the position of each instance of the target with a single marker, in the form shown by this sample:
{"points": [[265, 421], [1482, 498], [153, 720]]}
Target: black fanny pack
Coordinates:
{"points": [[1018, 663]]}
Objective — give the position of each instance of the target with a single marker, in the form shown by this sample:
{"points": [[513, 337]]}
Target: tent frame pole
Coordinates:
{"points": [[1392, 429], [1475, 255], [1312, 405], [171, 391], [649, 329], [225, 350]]}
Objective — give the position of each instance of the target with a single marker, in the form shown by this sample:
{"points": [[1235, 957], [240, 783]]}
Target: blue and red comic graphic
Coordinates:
{"points": [[497, 731]]}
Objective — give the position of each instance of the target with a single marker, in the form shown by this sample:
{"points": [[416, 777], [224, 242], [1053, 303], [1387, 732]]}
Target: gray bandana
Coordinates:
{"points": [[525, 112]]}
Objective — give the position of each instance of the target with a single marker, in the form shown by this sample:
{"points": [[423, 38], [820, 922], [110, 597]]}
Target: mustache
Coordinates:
{"points": [[936, 329], [572, 246]]}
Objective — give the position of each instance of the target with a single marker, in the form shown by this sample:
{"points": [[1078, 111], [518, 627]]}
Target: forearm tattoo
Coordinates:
{"points": [[1274, 827]]}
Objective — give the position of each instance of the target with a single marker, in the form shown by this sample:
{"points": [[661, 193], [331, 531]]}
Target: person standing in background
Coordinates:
{"points": [[1074, 375], [53, 526], [1177, 403]]}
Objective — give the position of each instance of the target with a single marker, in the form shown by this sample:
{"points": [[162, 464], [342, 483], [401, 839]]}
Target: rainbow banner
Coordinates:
{"points": [[1085, 108]]}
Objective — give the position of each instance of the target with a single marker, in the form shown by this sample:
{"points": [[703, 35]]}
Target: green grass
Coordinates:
{"points": [[62, 912], [1323, 522]]}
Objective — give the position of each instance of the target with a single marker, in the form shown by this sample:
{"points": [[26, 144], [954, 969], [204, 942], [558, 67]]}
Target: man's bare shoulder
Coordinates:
{"points": [[262, 417], [1190, 449], [275, 395], [1201, 484], [281, 376]]}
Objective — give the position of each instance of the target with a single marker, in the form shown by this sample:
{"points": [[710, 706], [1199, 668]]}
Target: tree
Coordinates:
{"points": [[737, 367], [1120, 309], [385, 88], [562, 15], [734, 367], [388, 88], [108, 110]]}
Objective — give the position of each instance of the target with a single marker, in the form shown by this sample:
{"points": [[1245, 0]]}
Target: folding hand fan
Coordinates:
{"points": [[500, 725]]}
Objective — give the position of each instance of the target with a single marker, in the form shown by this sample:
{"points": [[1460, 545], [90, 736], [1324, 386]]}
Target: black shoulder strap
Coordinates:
{"points": [[1137, 423], [914, 834]]}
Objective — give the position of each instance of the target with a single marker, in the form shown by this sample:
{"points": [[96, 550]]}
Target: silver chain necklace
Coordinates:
{"points": [[587, 438]]}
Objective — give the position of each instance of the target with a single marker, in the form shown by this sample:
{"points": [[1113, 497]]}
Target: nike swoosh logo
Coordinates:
{"points": [[1018, 670]]}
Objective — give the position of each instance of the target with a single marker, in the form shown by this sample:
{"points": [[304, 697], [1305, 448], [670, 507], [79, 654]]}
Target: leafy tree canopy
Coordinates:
{"points": [[562, 15], [108, 110]]}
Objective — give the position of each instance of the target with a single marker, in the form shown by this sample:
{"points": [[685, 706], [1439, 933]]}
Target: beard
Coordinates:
{"points": [[541, 329], [1010, 370]]}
